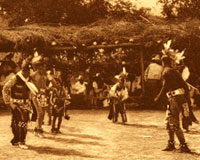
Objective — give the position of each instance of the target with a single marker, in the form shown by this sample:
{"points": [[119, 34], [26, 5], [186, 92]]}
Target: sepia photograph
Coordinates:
{"points": [[99, 79]]}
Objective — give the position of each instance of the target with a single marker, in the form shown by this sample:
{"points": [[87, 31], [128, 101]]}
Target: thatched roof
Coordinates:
{"points": [[102, 32]]}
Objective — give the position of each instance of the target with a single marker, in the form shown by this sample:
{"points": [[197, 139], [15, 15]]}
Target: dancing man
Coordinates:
{"points": [[118, 94], [59, 101], [178, 97], [16, 95], [40, 99]]}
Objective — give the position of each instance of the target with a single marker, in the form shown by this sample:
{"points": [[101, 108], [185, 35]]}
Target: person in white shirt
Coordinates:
{"points": [[80, 91], [80, 86], [152, 79]]}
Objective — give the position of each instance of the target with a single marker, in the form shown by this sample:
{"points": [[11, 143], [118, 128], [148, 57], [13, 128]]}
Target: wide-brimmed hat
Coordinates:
{"points": [[156, 57]]}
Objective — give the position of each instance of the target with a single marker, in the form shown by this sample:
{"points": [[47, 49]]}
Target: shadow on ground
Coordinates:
{"points": [[143, 126], [71, 134], [84, 136], [193, 132], [59, 152], [72, 141]]}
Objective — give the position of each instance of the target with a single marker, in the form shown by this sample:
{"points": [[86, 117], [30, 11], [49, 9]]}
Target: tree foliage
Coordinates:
{"points": [[180, 9], [66, 11]]}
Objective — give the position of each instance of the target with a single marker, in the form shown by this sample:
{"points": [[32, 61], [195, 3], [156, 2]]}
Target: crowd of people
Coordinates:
{"points": [[36, 89]]}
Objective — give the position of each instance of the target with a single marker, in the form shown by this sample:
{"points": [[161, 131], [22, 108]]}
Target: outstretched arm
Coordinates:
{"points": [[162, 91]]}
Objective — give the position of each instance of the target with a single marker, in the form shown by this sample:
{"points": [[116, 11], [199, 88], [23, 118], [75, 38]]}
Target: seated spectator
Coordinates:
{"points": [[80, 92]]}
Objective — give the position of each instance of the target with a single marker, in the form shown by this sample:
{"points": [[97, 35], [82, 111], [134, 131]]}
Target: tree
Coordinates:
{"points": [[180, 9], [127, 10], [20, 12]]}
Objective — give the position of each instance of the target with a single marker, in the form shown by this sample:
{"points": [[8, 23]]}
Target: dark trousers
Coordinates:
{"points": [[110, 115], [115, 109], [34, 115], [19, 125], [173, 122], [58, 124], [119, 108], [152, 88]]}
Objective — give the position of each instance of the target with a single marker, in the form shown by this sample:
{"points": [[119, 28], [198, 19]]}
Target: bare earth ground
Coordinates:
{"points": [[90, 135]]}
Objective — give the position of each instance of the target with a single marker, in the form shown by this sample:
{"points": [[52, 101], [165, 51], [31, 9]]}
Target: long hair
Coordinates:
{"points": [[167, 61]]}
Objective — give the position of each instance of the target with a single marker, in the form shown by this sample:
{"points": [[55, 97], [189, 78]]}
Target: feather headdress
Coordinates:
{"points": [[175, 55]]}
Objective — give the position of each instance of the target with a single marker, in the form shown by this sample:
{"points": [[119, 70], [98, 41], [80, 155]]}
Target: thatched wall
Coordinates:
{"points": [[105, 31], [149, 34], [102, 31]]}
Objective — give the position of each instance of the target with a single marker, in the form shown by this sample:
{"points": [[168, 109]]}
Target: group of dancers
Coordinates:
{"points": [[26, 92], [29, 88], [174, 93]]}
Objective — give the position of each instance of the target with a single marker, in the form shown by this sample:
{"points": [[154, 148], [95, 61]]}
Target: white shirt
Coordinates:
{"points": [[118, 93], [153, 71], [80, 88]]}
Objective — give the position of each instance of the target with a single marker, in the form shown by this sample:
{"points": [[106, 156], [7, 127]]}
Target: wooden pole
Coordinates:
{"points": [[142, 69], [92, 47]]}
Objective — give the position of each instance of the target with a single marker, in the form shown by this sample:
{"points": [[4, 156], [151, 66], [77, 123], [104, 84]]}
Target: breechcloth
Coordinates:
{"points": [[42, 99], [19, 124]]}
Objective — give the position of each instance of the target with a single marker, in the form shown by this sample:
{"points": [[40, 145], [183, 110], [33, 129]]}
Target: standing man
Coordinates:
{"points": [[178, 97], [152, 79], [97, 90], [16, 96], [80, 91], [40, 99]]}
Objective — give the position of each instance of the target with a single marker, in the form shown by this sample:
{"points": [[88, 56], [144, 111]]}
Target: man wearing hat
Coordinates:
{"points": [[177, 92], [80, 88], [16, 94], [40, 99], [152, 79], [118, 94]]}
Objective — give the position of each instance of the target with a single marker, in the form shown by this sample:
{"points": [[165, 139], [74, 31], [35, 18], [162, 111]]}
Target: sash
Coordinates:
{"points": [[30, 85]]}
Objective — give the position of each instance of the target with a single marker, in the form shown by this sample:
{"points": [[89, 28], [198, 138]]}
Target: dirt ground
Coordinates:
{"points": [[90, 135]]}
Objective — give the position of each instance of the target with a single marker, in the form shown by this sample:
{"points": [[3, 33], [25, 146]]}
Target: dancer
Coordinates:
{"points": [[118, 94], [16, 94], [59, 102], [176, 89], [40, 99]]}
